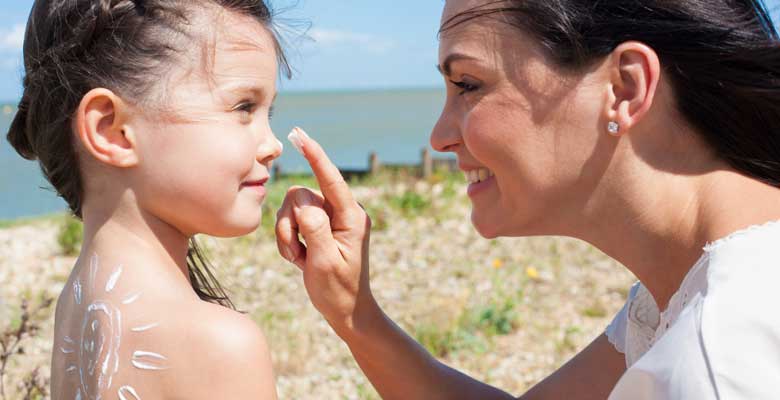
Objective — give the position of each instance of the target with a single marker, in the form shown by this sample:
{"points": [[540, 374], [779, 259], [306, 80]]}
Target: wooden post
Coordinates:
{"points": [[373, 163], [276, 172], [427, 163]]}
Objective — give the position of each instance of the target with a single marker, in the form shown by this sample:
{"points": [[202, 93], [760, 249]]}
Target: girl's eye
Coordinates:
{"points": [[464, 86], [247, 107], [270, 113]]}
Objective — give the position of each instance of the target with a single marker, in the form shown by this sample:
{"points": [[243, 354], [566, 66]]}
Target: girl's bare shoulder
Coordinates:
{"points": [[219, 353]]}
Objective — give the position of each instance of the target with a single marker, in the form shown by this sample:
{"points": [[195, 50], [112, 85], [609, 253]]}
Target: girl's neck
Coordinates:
{"points": [[137, 234]]}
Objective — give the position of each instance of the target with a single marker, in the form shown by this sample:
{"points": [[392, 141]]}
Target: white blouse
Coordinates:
{"points": [[719, 338]]}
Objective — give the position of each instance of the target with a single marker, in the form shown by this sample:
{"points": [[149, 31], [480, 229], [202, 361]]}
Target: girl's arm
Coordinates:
{"points": [[335, 262]]}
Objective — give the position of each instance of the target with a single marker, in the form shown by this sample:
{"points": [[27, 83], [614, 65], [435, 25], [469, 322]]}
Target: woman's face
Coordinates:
{"points": [[206, 155], [526, 130]]}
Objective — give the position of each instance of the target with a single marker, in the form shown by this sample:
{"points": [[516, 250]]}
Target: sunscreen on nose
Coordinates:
{"points": [[281, 145], [296, 137]]}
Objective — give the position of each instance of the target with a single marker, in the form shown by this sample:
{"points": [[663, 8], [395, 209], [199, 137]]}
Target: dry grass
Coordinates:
{"points": [[508, 311]]}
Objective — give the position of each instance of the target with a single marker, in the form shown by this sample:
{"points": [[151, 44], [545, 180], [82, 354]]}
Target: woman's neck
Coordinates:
{"points": [[660, 237]]}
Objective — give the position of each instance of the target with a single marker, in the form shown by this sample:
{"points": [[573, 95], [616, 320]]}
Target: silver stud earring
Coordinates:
{"points": [[613, 127]]}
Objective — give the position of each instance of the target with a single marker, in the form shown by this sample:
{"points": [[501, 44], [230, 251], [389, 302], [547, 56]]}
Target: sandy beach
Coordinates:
{"points": [[508, 311]]}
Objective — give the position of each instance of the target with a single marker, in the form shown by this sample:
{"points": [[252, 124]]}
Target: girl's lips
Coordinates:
{"points": [[259, 182], [256, 186]]}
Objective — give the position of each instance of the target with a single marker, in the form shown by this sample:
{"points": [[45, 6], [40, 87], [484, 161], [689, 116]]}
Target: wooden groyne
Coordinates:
{"points": [[424, 169]]}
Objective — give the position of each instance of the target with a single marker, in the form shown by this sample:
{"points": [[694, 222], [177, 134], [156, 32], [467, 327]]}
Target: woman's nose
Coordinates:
{"points": [[445, 136]]}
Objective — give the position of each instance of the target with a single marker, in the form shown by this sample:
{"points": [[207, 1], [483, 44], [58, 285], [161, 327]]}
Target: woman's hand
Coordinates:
{"points": [[336, 230]]}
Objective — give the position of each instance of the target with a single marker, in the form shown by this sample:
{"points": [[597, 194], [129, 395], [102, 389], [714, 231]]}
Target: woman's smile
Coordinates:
{"points": [[480, 180]]}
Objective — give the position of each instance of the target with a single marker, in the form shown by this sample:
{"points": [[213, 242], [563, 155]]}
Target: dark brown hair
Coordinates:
{"points": [[74, 46], [722, 57]]}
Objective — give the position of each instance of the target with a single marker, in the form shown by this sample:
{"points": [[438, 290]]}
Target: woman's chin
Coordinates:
{"points": [[486, 227]]}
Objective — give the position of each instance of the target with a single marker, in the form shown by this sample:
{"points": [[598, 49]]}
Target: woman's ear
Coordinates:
{"points": [[635, 71], [101, 126]]}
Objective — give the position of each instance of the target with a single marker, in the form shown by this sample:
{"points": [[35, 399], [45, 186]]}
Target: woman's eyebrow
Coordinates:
{"points": [[446, 67]]}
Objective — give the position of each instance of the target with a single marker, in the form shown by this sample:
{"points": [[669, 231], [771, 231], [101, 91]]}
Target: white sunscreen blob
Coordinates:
{"points": [[296, 138]]}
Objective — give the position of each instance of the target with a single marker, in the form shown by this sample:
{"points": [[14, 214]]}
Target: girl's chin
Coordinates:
{"points": [[236, 229]]}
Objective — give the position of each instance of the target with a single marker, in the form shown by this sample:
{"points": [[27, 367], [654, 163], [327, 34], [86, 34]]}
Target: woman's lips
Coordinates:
{"points": [[479, 187]]}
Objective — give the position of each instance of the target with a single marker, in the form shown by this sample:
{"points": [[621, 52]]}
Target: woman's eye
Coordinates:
{"points": [[464, 86], [270, 113]]}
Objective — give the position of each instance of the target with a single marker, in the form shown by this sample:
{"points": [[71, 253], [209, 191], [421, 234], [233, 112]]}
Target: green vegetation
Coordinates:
{"points": [[410, 203], [473, 330], [70, 236]]}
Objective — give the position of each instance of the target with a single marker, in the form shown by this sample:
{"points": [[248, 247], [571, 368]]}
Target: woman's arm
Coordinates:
{"points": [[399, 368], [335, 261]]}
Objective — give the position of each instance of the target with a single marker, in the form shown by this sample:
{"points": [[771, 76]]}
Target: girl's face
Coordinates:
{"points": [[525, 129], [205, 157]]}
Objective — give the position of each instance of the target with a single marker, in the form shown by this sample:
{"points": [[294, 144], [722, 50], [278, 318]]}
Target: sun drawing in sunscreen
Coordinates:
{"points": [[96, 347]]}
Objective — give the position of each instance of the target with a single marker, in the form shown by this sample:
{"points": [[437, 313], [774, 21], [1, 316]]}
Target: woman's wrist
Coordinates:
{"points": [[367, 316]]}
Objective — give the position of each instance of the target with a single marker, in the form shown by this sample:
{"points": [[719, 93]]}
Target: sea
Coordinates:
{"points": [[395, 124]]}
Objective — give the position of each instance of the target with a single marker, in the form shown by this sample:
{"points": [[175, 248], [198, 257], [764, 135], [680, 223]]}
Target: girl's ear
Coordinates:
{"points": [[101, 126]]}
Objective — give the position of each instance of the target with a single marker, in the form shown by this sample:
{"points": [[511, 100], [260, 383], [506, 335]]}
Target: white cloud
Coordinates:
{"points": [[334, 37], [13, 39]]}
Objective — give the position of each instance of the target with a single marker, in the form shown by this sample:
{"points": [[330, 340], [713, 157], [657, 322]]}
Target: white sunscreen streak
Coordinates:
{"points": [[144, 327], [127, 390], [72, 368], [77, 291], [132, 298], [93, 267], [148, 360], [66, 351], [69, 340], [113, 279]]}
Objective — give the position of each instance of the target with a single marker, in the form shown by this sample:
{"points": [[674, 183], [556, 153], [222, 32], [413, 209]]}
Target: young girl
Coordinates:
{"points": [[151, 119]]}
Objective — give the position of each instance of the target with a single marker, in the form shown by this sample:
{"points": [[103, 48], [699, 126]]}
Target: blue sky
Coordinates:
{"points": [[355, 44], [352, 44]]}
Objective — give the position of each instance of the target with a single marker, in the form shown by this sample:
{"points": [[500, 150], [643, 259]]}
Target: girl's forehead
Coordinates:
{"points": [[239, 47]]}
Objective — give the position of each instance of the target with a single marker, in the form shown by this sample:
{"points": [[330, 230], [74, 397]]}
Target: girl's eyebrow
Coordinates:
{"points": [[245, 87]]}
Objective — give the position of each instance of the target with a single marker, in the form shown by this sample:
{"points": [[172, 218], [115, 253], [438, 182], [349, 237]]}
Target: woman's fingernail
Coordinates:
{"points": [[296, 140], [302, 133]]}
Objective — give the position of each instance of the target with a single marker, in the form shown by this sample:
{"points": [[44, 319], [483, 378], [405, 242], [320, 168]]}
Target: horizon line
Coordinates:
{"points": [[14, 102]]}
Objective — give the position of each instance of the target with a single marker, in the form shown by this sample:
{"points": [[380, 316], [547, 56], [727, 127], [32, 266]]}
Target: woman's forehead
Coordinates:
{"points": [[453, 8]]}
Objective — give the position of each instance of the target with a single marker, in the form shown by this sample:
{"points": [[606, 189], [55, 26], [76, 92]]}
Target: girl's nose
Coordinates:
{"points": [[269, 150]]}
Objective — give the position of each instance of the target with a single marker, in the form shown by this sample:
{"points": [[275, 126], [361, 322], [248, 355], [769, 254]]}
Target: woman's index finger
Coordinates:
{"points": [[332, 184]]}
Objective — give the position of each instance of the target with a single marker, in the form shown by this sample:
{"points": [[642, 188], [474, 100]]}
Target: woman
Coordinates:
{"points": [[647, 128]]}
